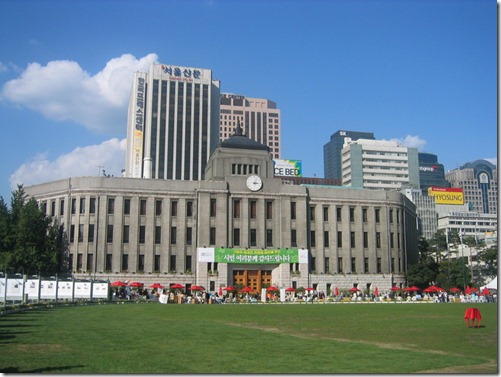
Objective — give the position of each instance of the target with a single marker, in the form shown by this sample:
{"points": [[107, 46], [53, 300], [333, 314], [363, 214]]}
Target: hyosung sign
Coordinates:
{"points": [[252, 256]]}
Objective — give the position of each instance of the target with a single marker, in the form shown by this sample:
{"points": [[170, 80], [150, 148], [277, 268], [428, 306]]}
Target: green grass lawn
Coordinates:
{"points": [[256, 338]]}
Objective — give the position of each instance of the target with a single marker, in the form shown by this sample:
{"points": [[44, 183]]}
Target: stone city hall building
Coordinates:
{"points": [[239, 225]]}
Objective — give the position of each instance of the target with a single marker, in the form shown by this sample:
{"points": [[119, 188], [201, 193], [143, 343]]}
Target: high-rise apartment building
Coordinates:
{"points": [[332, 151], [173, 122], [379, 164], [258, 117], [478, 179]]}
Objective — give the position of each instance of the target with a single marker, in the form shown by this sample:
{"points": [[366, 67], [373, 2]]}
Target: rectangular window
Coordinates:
{"points": [[173, 235], [326, 238], [378, 240], [109, 262], [188, 262], [189, 235], [378, 266], [352, 239], [157, 263], [392, 264], [366, 240], [61, 207], [366, 265], [253, 237], [312, 213], [236, 208], [158, 234], [269, 237], [352, 215], [391, 216], [339, 239], [158, 207], [236, 237], [213, 208], [142, 207], [90, 262], [90, 235], [252, 209], [212, 235], [73, 206], [80, 232], [126, 206], [82, 205], [293, 210], [326, 213], [376, 213], [109, 233], [338, 214], [172, 263], [269, 210], [140, 266], [111, 206], [92, 205], [142, 234], [326, 265], [189, 208], [79, 262], [125, 236], [293, 238], [125, 262], [353, 265], [392, 243], [53, 208], [340, 265], [312, 238], [173, 208], [364, 215]]}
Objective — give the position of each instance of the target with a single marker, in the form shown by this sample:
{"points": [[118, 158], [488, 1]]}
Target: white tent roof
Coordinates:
{"points": [[492, 285]]}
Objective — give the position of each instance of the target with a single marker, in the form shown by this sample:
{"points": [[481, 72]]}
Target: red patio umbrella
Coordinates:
{"points": [[395, 288], [118, 284], [412, 289], [433, 288], [309, 289], [197, 288], [246, 289], [229, 288], [290, 289], [177, 286], [272, 288], [454, 289], [336, 291], [485, 291], [136, 284], [354, 289], [156, 285]]}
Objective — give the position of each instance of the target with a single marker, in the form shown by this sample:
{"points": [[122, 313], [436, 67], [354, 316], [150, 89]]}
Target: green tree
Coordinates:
{"points": [[453, 273], [29, 242], [489, 257]]}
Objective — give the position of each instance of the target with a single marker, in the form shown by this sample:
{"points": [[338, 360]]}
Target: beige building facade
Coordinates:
{"points": [[172, 231]]}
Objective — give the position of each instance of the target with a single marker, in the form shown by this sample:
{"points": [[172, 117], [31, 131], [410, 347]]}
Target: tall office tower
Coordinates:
{"points": [[431, 173], [332, 151], [258, 117], [379, 164], [478, 179], [173, 123]]}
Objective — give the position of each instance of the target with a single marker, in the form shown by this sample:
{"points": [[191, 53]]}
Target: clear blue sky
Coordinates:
{"points": [[423, 72]]}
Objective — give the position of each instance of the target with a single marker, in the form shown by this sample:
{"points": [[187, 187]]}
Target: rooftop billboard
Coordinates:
{"points": [[444, 195], [287, 168]]}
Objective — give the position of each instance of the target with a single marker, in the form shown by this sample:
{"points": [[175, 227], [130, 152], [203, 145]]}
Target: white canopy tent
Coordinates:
{"points": [[492, 285]]}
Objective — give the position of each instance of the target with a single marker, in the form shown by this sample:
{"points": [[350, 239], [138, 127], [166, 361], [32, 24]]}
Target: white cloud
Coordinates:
{"points": [[411, 142], [82, 161], [63, 91]]}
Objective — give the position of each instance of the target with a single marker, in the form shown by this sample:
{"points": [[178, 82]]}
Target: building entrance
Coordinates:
{"points": [[254, 279]]}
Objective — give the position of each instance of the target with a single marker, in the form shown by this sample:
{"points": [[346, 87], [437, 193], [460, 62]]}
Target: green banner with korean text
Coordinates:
{"points": [[257, 256]]}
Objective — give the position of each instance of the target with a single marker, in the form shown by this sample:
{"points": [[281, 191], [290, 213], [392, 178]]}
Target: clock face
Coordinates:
{"points": [[254, 183]]}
